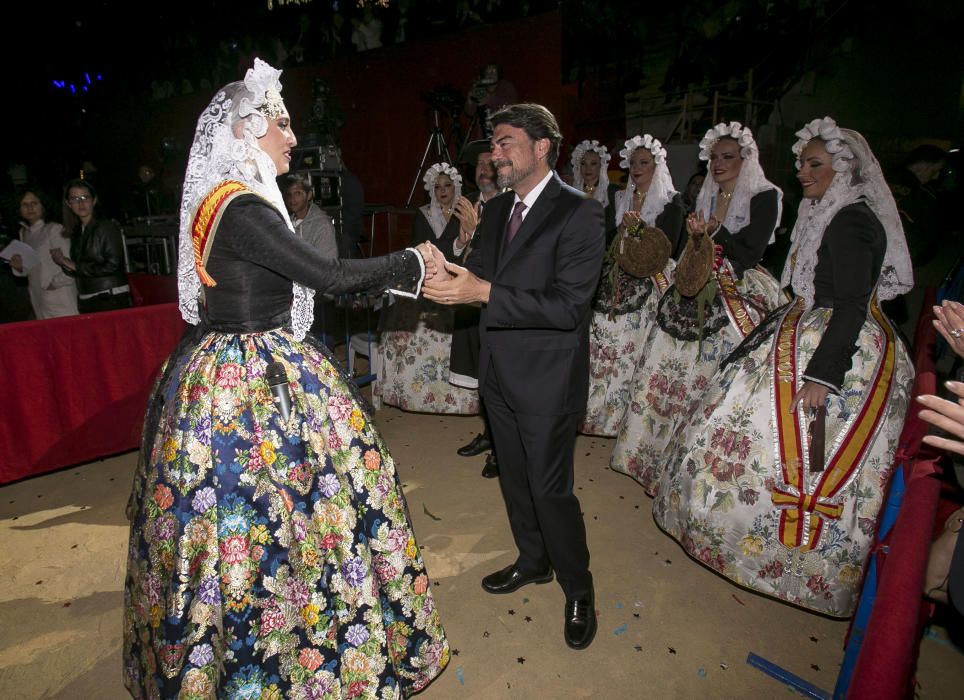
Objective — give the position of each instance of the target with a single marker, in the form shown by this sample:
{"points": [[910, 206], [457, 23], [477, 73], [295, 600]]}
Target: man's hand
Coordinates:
{"points": [[462, 287]]}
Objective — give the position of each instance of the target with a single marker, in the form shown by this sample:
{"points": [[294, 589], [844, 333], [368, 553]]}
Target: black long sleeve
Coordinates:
{"points": [[848, 265], [670, 222], [100, 250], [254, 258], [744, 248]]}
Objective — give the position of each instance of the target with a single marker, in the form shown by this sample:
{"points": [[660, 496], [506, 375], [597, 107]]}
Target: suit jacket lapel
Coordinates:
{"points": [[532, 221]]}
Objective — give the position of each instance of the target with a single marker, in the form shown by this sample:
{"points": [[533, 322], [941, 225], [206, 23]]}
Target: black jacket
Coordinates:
{"points": [[98, 252]]}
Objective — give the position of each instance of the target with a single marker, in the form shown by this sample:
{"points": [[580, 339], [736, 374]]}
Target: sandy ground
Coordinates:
{"points": [[668, 628]]}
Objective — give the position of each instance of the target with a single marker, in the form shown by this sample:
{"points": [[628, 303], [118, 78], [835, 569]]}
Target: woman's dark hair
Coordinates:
{"points": [[77, 182], [536, 121], [46, 203]]}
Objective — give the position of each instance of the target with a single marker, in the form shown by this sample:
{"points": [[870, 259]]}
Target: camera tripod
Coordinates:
{"points": [[441, 148]]}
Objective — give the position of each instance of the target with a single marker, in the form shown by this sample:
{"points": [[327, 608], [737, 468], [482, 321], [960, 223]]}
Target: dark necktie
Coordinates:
{"points": [[515, 221]]}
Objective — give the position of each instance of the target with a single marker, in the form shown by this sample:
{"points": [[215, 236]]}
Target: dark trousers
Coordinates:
{"points": [[536, 476]]}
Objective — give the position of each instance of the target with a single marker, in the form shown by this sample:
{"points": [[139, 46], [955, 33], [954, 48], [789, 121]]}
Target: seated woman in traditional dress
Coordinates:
{"points": [[416, 335], [271, 551], [740, 209], [625, 304], [777, 482], [590, 174]]}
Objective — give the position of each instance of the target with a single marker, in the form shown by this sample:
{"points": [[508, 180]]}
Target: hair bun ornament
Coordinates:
{"points": [[431, 175]]}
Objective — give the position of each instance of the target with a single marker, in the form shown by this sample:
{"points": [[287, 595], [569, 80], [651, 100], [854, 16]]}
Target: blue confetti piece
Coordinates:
{"points": [[619, 630], [460, 675], [619, 606], [701, 673]]}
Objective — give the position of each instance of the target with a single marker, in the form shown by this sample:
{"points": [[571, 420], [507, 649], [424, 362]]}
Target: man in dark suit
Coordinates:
{"points": [[535, 270]]}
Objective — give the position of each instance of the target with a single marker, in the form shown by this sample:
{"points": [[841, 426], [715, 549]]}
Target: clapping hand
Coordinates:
{"points": [[950, 324], [468, 216]]}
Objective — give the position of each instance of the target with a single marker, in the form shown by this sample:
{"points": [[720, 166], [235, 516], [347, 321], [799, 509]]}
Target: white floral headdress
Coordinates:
{"points": [[431, 175], [578, 153], [661, 190], [645, 141], [741, 134], [217, 154], [827, 130], [858, 178]]}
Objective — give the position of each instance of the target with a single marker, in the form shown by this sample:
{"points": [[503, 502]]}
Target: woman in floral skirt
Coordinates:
{"points": [[271, 553], [777, 482], [625, 305], [416, 336], [740, 209]]}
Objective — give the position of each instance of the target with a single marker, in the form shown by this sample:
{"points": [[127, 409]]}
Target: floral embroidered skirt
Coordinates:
{"points": [[621, 321], [270, 559], [415, 346], [720, 495], [675, 372]]}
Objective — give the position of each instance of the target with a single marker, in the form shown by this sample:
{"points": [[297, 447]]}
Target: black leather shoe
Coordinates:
{"points": [[580, 627], [491, 468], [511, 578], [480, 443]]}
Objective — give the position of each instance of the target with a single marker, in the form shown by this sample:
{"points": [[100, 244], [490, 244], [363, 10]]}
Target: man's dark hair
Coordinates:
{"points": [[77, 182], [925, 153], [299, 179], [536, 121]]}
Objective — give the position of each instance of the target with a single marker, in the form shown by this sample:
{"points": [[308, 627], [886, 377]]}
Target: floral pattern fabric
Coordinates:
{"points": [[624, 310], [415, 345], [715, 495], [271, 559], [669, 385]]}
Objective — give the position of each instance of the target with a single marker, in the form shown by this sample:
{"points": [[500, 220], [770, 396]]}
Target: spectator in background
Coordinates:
{"points": [[309, 221], [489, 93], [96, 253], [53, 292], [693, 187]]}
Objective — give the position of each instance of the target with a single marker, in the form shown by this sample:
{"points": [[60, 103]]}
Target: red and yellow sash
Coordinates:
{"points": [[742, 315], [798, 527], [205, 223]]}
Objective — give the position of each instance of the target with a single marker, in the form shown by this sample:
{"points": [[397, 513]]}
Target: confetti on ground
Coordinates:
{"points": [[512, 612], [619, 606], [433, 517], [619, 630], [521, 659], [528, 619], [67, 604], [638, 648], [724, 666], [701, 673], [460, 675], [667, 562], [455, 652], [635, 614], [525, 600], [815, 667], [738, 600], [671, 650], [485, 635], [814, 639]]}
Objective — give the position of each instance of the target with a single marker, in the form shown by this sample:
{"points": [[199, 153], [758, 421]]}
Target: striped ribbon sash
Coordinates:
{"points": [[743, 315], [799, 499], [205, 223]]}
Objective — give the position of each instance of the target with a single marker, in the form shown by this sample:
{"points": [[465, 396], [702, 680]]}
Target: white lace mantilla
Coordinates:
{"points": [[661, 190]]}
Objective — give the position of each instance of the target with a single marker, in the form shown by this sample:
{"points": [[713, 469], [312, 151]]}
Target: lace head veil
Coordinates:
{"points": [[433, 210], [749, 183], [661, 189], [225, 147], [601, 193], [858, 177]]}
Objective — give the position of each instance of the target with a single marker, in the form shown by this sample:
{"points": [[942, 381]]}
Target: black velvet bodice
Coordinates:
{"points": [[254, 258]]}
